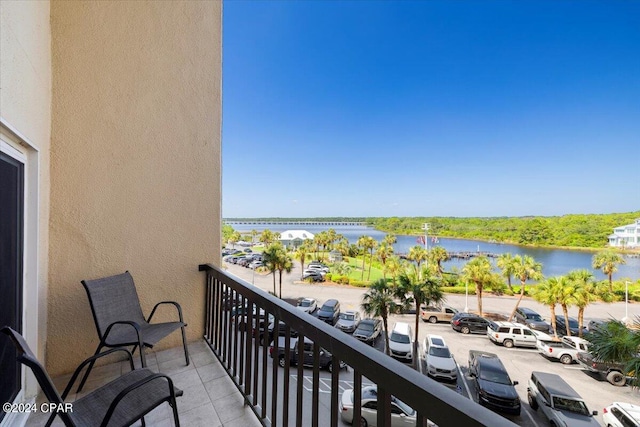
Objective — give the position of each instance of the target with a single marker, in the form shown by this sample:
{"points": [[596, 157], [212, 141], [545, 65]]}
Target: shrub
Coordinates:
{"points": [[328, 277], [359, 283]]}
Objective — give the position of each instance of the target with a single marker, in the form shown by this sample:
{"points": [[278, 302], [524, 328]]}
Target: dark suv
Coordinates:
{"points": [[532, 319], [468, 322], [329, 311], [573, 326]]}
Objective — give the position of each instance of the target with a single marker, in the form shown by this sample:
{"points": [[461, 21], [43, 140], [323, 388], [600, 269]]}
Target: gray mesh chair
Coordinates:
{"points": [[119, 319], [121, 402]]}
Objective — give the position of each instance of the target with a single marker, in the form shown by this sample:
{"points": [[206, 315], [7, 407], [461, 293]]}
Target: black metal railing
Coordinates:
{"points": [[243, 324]]}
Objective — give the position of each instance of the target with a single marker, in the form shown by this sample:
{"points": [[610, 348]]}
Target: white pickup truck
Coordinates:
{"points": [[565, 350]]}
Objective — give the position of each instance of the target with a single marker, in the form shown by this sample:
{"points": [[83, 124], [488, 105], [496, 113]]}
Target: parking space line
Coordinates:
{"points": [[464, 381], [530, 417]]}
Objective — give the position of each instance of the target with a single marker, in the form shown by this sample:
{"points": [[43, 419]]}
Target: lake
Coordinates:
{"points": [[555, 262]]}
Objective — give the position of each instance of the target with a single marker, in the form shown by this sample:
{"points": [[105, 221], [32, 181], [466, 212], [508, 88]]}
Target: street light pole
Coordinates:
{"points": [[626, 301], [466, 296]]}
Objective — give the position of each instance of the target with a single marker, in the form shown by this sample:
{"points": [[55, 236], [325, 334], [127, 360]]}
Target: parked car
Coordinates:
{"points": [[438, 313], [468, 323], [573, 326], [316, 276], [439, 362], [401, 342], [318, 266], [348, 321], [308, 305], [595, 324], [511, 334], [531, 318], [559, 403], [326, 358], [368, 330], [255, 264], [494, 388], [313, 271], [329, 311], [401, 414], [620, 414]]}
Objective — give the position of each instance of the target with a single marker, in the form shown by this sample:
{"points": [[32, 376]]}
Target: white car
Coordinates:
{"points": [[620, 414], [401, 342], [401, 413], [308, 305], [439, 362]]}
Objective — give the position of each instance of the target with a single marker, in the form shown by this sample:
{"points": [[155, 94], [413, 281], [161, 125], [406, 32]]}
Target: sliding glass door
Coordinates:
{"points": [[11, 276]]}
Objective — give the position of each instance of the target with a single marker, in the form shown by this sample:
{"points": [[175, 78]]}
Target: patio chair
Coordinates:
{"points": [[120, 402], [119, 319]]}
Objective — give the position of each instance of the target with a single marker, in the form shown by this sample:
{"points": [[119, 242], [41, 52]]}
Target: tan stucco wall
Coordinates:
{"points": [[25, 105], [135, 159]]}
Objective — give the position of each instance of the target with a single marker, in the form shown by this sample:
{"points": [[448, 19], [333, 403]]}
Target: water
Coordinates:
{"points": [[555, 262]]}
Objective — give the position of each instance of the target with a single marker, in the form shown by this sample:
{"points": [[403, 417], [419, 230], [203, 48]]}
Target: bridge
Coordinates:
{"points": [[292, 222]]}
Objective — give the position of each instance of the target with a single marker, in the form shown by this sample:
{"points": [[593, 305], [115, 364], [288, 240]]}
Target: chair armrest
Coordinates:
{"points": [[74, 377], [123, 394], [175, 304]]}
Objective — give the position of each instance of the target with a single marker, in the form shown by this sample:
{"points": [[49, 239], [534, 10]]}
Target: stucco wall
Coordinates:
{"points": [[25, 105], [135, 159]]}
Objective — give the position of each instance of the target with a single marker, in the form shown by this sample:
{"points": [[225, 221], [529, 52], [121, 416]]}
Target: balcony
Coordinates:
{"points": [[234, 381]]}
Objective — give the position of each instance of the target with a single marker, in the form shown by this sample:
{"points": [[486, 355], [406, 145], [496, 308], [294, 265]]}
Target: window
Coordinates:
{"points": [[527, 332]]}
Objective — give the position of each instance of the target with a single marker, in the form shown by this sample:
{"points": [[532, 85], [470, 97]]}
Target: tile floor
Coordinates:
{"points": [[210, 398]]}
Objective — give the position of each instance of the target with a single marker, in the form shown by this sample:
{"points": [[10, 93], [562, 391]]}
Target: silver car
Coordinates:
{"points": [[438, 360], [308, 305], [348, 321]]}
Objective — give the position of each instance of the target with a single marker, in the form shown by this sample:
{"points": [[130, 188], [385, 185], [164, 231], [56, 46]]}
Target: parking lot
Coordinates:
{"points": [[519, 362]]}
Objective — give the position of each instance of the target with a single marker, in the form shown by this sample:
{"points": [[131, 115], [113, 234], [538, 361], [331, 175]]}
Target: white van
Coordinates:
{"points": [[401, 342]]}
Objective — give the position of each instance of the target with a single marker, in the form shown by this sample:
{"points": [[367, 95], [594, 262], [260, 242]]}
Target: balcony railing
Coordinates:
{"points": [[280, 395]]}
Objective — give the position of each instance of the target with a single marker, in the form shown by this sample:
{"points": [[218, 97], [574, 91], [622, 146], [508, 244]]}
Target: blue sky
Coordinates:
{"points": [[436, 108]]}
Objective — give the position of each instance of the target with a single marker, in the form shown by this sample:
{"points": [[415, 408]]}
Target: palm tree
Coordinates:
{"points": [[525, 268], [393, 266], [384, 252], [254, 234], [268, 237], [379, 301], [390, 239], [301, 255], [438, 255], [479, 272], [424, 289], [235, 238], [362, 241], [332, 236], [418, 254], [370, 244], [507, 266], [285, 263], [566, 297], [270, 259], [614, 342], [546, 293], [275, 258], [608, 262], [585, 292]]}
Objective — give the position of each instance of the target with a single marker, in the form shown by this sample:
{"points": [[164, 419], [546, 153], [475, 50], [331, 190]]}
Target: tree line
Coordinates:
{"points": [[579, 230]]}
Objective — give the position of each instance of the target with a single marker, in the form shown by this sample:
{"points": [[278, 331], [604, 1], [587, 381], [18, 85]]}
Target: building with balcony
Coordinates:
{"points": [[626, 236], [110, 160]]}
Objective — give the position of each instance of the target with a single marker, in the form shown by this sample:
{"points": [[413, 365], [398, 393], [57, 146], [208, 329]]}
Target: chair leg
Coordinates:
{"points": [[142, 422], [184, 344], [174, 406], [89, 368]]}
